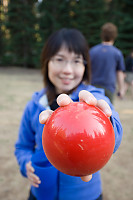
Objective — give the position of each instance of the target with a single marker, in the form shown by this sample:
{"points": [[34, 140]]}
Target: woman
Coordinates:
{"points": [[65, 69]]}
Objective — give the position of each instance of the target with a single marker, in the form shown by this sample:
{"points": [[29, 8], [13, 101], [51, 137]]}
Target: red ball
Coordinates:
{"points": [[78, 139]]}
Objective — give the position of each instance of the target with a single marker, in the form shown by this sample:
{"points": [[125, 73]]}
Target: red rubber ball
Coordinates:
{"points": [[78, 139]]}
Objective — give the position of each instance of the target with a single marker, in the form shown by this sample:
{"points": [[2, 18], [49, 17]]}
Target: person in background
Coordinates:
{"points": [[66, 73], [107, 63], [129, 73]]}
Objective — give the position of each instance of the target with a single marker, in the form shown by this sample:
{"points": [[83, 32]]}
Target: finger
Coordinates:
{"points": [[34, 178], [44, 116], [63, 100], [86, 178], [87, 97], [34, 183], [103, 105], [29, 168]]}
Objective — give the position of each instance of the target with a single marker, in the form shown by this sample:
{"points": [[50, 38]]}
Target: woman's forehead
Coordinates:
{"points": [[64, 50]]}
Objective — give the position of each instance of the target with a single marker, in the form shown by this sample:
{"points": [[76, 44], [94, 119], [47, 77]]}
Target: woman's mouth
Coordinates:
{"points": [[66, 81]]}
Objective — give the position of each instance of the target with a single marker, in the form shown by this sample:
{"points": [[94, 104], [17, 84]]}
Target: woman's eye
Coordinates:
{"points": [[59, 59], [77, 61]]}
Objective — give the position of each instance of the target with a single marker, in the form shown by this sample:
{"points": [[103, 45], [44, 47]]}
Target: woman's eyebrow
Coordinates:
{"points": [[76, 56], [59, 54]]}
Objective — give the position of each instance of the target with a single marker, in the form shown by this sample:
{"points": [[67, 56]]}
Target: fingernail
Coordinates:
{"points": [[108, 111], [40, 118], [91, 101]]}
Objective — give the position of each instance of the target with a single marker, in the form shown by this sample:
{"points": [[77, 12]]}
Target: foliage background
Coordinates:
{"points": [[26, 24]]}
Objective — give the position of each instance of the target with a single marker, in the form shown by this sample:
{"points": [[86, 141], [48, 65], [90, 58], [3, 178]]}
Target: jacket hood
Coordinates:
{"points": [[40, 97]]}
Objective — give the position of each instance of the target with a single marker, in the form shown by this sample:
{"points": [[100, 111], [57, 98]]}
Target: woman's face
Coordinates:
{"points": [[65, 70]]}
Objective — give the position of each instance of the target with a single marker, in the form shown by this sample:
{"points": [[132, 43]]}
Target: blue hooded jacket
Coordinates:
{"points": [[30, 141]]}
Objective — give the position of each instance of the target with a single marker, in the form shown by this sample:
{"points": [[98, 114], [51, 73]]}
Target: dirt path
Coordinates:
{"points": [[16, 87]]}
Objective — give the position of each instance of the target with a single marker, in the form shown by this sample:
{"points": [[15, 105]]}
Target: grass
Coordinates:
{"points": [[16, 87]]}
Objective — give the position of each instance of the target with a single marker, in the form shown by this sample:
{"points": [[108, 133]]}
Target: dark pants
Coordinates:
{"points": [[31, 197], [108, 93]]}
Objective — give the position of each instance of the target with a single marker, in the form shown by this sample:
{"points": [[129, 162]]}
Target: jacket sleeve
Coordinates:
{"points": [[24, 147], [117, 129], [115, 120]]}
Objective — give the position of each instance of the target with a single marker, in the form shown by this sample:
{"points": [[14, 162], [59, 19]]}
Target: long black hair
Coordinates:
{"points": [[75, 42]]}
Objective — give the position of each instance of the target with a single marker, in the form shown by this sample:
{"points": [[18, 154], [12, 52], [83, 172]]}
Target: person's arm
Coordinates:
{"points": [[85, 96], [121, 83], [114, 118], [120, 69], [24, 147]]}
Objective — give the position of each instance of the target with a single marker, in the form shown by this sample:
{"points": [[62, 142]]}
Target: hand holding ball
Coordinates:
{"points": [[78, 139]]}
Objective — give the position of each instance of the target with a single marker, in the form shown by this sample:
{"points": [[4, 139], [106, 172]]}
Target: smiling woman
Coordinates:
{"points": [[66, 69], [68, 51], [68, 73]]}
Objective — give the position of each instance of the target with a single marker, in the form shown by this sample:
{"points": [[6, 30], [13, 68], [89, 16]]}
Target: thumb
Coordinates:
{"points": [[86, 178]]}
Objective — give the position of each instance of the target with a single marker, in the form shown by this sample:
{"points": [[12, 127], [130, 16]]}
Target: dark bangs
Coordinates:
{"points": [[75, 42], [71, 38]]}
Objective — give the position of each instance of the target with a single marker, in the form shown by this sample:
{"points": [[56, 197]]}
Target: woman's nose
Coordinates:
{"points": [[67, 68]]}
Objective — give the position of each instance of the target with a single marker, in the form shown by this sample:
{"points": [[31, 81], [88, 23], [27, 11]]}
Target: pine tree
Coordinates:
{"points": [[88, 17], [2, 33], [53, 15], [21, 22], [125, 41], [122, 15]]}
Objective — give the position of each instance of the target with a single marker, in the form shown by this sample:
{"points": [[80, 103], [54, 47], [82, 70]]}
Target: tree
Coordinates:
{"points": [[88, 17], [125, 41], [28, 24], [53, 15], [120, 12], [2, 32], [21, 22]]}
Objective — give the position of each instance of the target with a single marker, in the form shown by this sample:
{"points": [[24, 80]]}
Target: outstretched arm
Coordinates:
{"points": [[121, 83], [84, 96]]}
